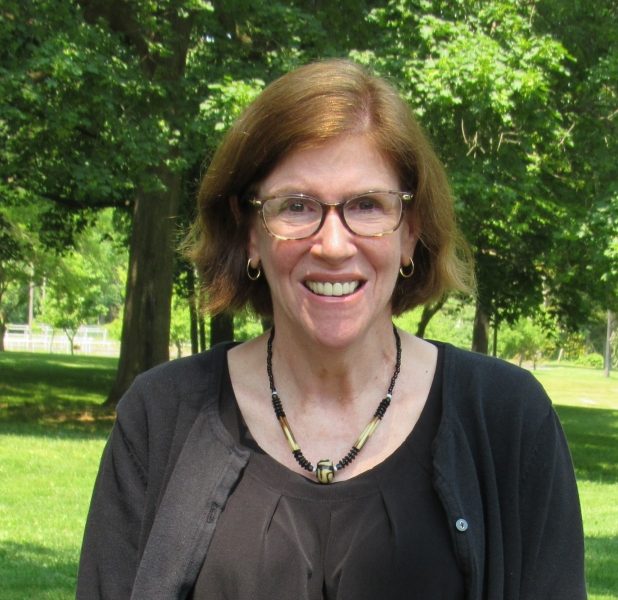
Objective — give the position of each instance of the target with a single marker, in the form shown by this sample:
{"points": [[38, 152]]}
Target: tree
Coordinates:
{"points": [[105, 104], [481, 78], [524, 340], [12, 255], [23, 261], [85, 285], [583, 280]]}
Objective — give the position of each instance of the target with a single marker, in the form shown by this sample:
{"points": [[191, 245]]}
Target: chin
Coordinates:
{"points": [[340, 333]]}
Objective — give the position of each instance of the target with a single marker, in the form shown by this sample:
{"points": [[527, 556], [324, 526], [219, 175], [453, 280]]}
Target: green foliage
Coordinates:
{"points": [[481, 78], [520, 99], [452, 324], [62, 85], [23, 261], [524, 339], [104, 102], [247, 326], [583, 276], [86, 284], [114, 328], [593, 360], [180, 333]]}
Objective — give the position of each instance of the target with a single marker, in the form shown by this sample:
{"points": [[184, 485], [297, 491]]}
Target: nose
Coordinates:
{"points": [[333, 242]]}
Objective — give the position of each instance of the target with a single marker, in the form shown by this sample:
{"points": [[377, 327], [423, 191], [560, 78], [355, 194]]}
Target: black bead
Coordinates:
{"points": [[351, 455]]}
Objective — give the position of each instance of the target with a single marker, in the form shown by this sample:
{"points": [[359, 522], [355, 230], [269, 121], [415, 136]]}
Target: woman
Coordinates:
{"points": [[334, 456]]}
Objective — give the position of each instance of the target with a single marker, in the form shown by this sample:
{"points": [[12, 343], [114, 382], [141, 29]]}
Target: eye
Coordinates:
{"points": [[365, 204], [295, 205], [298, 205]]}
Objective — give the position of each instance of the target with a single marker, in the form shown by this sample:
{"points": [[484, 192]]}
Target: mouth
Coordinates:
{"points": [[333, 288]]}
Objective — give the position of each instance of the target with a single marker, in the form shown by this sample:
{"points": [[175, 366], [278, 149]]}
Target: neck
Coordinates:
{"points": [[311, 374]]}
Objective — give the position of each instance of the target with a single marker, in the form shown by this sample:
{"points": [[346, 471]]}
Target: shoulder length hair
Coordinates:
{"points": [[306, 108]]}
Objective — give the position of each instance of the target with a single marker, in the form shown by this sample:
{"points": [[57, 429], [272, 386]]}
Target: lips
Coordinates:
{"points": [[333, 288]]}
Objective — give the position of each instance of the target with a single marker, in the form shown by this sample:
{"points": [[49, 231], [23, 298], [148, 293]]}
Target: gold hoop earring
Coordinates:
{"points": [[253, 273], [407, 271]]}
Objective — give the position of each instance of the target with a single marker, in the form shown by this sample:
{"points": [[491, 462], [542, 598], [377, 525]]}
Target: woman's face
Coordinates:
{"points": [[297, 269]]}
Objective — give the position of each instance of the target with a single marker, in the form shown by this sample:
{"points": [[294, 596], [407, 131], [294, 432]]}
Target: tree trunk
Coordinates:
{"points": [[193, 326], [146, 322], [71, 339], [480, 332], [2, 332], [608, 346], [30, 303], [193, 313], [202, 332], [221, 328], [494, 350], [429, 310]]}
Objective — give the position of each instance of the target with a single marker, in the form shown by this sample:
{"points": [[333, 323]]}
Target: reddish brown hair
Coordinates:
{"points": [[306, 108]]}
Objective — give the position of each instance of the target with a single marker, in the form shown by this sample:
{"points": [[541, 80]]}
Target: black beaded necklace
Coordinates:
{"points": [[325, 469]]}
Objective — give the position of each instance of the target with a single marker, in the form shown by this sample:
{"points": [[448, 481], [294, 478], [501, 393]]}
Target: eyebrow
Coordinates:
{"points": [[295, 191]]}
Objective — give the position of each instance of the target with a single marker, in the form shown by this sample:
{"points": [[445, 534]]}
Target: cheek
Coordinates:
{"points": [[280, 257]]}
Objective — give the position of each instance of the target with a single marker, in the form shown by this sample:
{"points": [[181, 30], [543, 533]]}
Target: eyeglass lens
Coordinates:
{"points": [[298, 216]]}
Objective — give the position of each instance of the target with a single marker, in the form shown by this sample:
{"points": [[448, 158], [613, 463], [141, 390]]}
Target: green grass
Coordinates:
{"points": [[52, 431], [46, 487], [579, 386], [587, 403]]}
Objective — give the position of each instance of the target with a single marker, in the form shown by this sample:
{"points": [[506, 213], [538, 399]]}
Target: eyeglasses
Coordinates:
{"points": [[299, 216]]}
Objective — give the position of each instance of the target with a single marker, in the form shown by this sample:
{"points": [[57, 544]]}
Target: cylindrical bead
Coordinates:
{"points": [[366, 434], [289, 436]]}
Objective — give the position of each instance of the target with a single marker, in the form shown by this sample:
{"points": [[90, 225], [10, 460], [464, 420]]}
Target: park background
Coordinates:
{"points": [[109, 112]]}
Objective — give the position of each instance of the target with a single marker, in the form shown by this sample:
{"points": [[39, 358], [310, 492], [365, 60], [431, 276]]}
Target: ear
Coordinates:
{"points": [[253, 249], [409, 238]]}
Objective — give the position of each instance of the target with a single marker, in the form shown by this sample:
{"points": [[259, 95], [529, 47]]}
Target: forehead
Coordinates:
{"points": [[342, 166]]}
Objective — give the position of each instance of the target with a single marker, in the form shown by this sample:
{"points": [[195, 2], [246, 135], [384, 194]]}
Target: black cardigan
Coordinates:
{"points": [[502, 471]]}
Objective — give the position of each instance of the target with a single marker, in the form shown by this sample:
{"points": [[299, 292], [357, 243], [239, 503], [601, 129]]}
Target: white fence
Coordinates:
{"points": [[88, 340]]}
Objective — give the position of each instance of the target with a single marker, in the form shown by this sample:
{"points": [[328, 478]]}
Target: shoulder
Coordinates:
{"points": [[156, 414], [481, 372], [181, 385], [188, 373], [483, 388]]}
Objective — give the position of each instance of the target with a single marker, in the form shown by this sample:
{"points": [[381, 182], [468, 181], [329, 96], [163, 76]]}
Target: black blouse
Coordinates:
{"points": [[382, 534]]}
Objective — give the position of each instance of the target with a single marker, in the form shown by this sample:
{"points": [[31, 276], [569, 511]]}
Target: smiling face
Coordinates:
{"points": [[334, 287]]}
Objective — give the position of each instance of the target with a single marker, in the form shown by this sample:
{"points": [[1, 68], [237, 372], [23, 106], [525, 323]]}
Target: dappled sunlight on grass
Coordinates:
{"points": [[36, 571], [55, 392], [587, 403], [47, 482], [601, 571], [593, 439]]}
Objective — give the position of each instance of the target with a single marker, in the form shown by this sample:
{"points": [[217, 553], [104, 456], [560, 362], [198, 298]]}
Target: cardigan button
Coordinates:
{"points": [[461, 525]]}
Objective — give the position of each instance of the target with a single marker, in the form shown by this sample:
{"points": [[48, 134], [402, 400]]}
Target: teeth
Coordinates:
{"points": [[326, 288]]}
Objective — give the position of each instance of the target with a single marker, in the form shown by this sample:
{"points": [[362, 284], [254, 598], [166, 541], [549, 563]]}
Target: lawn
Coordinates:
{"points": [[52, 431], [587, 403]]}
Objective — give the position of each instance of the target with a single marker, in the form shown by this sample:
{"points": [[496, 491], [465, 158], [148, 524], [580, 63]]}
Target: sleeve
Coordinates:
{"points": [[110, 549], [551, 522]]}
